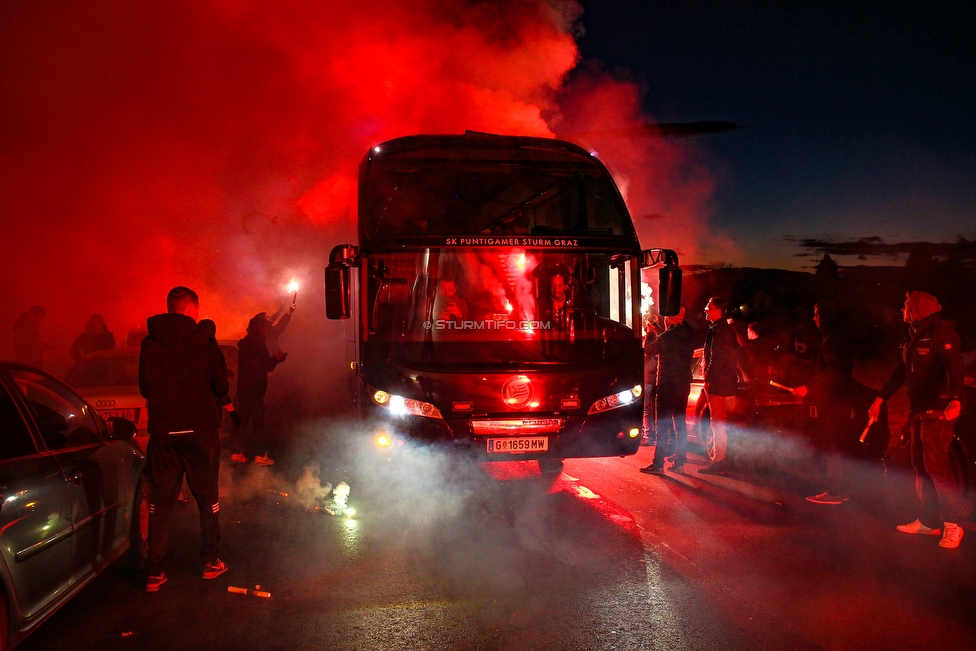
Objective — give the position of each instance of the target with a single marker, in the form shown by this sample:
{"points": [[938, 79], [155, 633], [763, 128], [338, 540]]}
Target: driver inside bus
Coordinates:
{"points": [[448, 306]]}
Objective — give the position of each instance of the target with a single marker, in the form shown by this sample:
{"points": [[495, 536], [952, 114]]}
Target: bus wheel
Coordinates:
{"points": [[550, 466]]}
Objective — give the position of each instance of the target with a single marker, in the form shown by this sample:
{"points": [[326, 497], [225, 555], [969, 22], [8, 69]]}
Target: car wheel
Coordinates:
{"points": [[706, 436]]}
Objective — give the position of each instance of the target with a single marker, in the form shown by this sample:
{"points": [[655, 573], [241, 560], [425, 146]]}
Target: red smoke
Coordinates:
{"points": [[215, 144]]}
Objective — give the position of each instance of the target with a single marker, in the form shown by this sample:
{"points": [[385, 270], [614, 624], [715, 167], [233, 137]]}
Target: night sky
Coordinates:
{"points": [[858, 117]]}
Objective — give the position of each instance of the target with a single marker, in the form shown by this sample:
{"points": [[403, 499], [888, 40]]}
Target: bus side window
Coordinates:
{"points": [[63, 418], [15, 439]]}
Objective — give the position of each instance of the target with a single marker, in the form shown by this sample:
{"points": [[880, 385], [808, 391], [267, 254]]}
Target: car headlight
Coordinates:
{"points": [[615, 400], [400, 406]]}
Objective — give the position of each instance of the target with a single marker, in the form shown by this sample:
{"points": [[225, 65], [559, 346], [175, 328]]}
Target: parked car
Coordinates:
{"points": [[109, 380], [70, 496], [771, 412]]}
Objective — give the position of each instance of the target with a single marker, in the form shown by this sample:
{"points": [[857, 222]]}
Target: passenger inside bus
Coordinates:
{"points": [[448, 306], [559, 303]]}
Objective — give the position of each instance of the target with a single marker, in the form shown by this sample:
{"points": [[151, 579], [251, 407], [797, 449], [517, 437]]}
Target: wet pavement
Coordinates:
{"points": [[443, 554]]}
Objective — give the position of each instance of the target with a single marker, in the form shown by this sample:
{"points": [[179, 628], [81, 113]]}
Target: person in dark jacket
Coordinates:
{"points": [[932, 371], [720, 365], [828, 397], [95, 337], [674, 349], [254, 362], [182, 374], [28, 347]]}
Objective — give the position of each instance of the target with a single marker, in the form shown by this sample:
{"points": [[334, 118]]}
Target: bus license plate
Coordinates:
{"points": [[128, 414], [519, 444]]}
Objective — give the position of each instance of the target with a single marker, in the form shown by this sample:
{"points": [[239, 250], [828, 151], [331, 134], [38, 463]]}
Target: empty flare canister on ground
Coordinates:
{"points": [[256, 593]]}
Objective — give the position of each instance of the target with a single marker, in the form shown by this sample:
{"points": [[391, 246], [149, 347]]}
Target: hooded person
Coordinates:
{"points": [[28, 346], [182, 373], [931, 369], [95, 337], [254, 362]]}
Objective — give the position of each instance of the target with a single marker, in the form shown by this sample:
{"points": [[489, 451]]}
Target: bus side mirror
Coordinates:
{"points": [[337, 292], [669, 290]]}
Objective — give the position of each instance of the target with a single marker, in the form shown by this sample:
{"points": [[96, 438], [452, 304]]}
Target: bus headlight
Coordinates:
{"points": [[616, 400], [400, 406]]}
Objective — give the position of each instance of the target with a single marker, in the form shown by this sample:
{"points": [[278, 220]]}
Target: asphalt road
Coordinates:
{"points": [[443, 554]]}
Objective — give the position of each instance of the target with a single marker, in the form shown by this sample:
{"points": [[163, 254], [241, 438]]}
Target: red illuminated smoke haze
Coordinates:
{"points": [[215, 144]]}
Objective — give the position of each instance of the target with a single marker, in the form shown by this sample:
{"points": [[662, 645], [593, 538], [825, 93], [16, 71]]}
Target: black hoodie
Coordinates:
{"points": [[253, 360], [181, 373]]}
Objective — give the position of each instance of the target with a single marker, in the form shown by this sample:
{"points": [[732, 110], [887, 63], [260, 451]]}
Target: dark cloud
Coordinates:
{"points": [[864, 248]]}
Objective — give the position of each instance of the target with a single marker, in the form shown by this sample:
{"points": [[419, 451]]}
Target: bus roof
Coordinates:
{"points": [[424, 187]]}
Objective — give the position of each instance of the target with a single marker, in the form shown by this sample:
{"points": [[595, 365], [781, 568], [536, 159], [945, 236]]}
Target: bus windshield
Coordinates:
{"points": [[424, 200], [501, 306]]}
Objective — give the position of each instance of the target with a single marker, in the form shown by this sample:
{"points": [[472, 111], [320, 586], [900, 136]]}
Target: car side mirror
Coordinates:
{"points": [[120, 429]]}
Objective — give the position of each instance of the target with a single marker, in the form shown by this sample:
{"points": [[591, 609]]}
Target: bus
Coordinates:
{"points": [[494, 298]]}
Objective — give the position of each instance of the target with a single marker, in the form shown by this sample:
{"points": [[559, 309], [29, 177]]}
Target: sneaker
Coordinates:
{"points": [[653, 469], [952, 536], [714, 468], [678, 468], [826, 498], [919, 528], [264, 461], [214, 569], [237, 457], [154, 581]]}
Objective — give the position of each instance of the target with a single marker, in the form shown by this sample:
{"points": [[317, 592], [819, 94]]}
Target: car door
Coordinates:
{"points": [[91, 469], [35, 511]]}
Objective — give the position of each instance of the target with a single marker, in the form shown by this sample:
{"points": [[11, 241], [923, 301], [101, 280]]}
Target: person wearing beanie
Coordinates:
{"points": [[932, 371]]}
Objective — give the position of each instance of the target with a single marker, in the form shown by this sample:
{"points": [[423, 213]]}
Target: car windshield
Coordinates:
{"points": [[501, 306], [104, 372], [447, 199]]}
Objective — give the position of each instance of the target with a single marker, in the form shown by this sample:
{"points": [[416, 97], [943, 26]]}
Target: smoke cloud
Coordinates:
{"points": [[215, 145]]}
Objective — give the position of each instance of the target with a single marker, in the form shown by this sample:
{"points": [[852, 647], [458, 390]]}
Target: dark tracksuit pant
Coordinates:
{"points": [[672, 401], [170, 456], [935, 484], [250, 437]]}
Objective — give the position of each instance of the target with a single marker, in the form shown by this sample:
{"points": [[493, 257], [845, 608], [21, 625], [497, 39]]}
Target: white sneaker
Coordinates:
{"points": [[919, 528], [237, 457], [264, 461], [952, 536]]}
